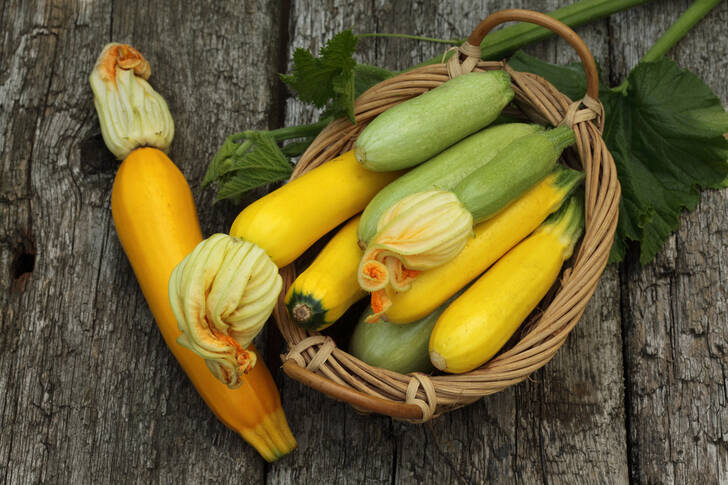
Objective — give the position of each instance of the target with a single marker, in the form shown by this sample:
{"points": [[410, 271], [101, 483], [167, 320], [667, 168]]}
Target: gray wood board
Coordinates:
{"points": [[88, 390], [676, 309], [544, 428]]}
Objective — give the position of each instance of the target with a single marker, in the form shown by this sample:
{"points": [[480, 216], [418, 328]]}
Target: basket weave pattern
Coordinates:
{"points": [[420, 397]]}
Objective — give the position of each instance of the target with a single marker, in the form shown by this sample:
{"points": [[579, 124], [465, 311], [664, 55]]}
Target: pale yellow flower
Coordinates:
{"points": [[131, 113], [422, 231], [222, 293]]}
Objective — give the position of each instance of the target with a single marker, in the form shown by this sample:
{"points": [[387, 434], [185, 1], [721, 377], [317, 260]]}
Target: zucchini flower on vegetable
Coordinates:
{"points": [[221, 294], [422, 231], [131, 113]]}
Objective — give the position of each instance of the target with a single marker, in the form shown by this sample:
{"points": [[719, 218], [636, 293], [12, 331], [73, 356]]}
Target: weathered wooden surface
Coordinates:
{"points": [[543, 428], [676, 309], [88, 391]]}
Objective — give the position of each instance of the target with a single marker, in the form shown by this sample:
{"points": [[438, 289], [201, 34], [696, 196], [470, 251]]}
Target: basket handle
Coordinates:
{"points": [[351, 396], [556, 26]]}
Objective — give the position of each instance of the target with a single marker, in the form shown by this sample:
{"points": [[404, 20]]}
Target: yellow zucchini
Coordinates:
{"points": [[328, 287], [481, 320], [290, 219], [493, 238]]}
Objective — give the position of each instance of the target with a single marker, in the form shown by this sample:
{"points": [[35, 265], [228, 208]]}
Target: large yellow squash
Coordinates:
{"points": [[156, 221]]}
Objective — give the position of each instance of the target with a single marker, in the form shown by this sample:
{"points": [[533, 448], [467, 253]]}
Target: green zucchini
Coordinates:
{"points": [[444, 171], [400, 348], [417, 129], [516, 168]]}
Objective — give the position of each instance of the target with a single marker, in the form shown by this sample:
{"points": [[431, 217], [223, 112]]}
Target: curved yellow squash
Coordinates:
{"points": [[481, 320], [290, 219], [328, 287], [157, 224], [491, 240]]}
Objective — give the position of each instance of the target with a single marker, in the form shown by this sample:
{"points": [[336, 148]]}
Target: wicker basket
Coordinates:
{"points": [[314, 359]]}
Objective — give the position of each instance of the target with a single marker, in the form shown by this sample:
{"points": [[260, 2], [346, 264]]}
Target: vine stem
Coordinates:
{"points": [[506, 41], [287, 132], [677, 31], [695, 12], [412, 37]]}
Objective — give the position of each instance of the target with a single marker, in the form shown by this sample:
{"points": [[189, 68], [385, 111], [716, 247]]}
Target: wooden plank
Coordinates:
{"points": [[676, 307], [88, 391], [335, 444], [567, 425]]}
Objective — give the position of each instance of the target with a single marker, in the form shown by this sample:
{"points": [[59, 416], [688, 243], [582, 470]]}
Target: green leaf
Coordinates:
{"points": [[667, 145], [240, 167], [221, 162], [366, 76], [344, 91], [665, 132], [319, 80]]}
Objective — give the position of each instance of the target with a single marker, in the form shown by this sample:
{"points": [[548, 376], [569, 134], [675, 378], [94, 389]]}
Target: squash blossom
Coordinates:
{"points": [[131, 113], [222, 293], [422, 231]]}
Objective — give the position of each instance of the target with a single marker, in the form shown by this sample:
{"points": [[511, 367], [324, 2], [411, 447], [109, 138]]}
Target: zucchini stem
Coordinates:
{"points": [[567, 223], [561, 137]]}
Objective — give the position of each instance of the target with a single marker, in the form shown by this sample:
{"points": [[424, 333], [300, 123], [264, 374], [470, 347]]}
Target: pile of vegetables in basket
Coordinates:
{"points": [[476, 192]]}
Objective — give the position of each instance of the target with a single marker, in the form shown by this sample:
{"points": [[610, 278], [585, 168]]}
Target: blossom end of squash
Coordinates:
{"points": [[380, 303], [125, 57], [438, 361], [131, 113], [423, 230]]}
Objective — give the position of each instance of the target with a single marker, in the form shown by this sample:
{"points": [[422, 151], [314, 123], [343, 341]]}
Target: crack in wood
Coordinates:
{"points": [[626, 322]]}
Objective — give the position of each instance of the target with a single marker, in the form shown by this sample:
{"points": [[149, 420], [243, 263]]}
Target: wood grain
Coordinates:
{"points": [[89, 392], [541, 429], [677, 307]]}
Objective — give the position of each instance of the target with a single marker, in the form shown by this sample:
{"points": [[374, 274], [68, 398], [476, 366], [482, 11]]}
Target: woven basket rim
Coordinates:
{"points": [[433, 395]]}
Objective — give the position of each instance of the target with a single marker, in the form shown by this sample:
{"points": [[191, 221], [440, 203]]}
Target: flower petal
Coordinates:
{"points": [[222, 293]]}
